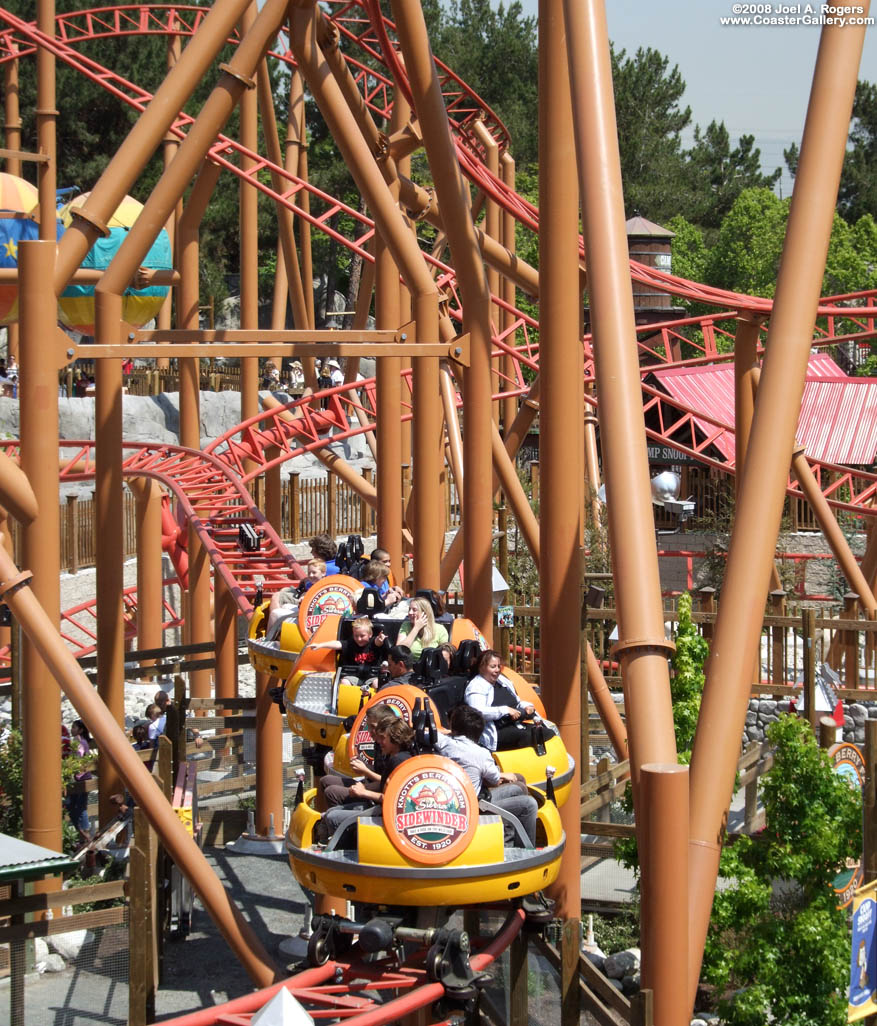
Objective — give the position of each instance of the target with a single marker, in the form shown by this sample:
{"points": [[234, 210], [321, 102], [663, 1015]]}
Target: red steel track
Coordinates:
{"points": [[343, 990]]}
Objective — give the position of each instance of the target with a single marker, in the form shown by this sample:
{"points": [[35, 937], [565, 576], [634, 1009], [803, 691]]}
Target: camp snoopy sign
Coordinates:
{"points": [[430, 810]]}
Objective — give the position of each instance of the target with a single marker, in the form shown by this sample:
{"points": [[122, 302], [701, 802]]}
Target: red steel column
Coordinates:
{"points": [[560, 525], [759, 509], [109, 528], [38, 404], [453, 194]]}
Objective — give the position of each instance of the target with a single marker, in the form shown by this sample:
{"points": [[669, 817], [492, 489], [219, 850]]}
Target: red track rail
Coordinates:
{"points": [[336, 989]]}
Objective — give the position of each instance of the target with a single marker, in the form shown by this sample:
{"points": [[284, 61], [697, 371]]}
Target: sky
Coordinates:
{"points": [[754, 78]]}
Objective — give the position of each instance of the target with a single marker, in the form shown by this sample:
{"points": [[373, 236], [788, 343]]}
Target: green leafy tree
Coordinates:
{"points": [[11, 785], [778, 946], [494, 50], [747, 251], [717, 173], [687, 679], [648, 95], [858, 183]]}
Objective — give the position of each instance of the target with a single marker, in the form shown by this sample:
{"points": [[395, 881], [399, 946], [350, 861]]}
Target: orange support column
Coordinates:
{"points": [[249, 241], [147, 494], [560, 452], [41, 697], [225, 619], [109, 528], [12, 129]]}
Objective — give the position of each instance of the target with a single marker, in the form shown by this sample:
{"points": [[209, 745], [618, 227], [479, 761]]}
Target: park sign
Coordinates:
{"points": [[668, 454], [862, 996], [847, 762]]}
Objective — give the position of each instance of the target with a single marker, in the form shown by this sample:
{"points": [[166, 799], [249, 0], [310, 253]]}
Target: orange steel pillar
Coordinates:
{"points": [[389, 396], [44, 638], [493, 228], [642, 649], [109, 528], [509, 241], [835, 537], [249, 243], [738, 626], [41, 699], [453, 194], [399, 119], [169, 148], [225, 619], [560, 454], [46, 116], [198, 627], [12, 130], [428, 421], [664, 791], [745, 381], [145, 136], [147, 494]]}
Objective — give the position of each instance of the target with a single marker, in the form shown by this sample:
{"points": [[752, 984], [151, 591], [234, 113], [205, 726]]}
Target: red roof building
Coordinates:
{"points": [[837, 422]]}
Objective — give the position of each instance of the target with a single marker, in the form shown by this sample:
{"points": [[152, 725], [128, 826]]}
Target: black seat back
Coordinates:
{"points": [[447, 694]]}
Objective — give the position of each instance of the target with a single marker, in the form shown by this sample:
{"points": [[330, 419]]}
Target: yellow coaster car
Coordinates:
{"points": [[430, 843], [532, 765], [317, 702], [275, 649]]}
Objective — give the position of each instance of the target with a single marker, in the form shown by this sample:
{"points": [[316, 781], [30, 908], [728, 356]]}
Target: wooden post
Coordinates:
{"points": [[585, 730], [71, 526], [332, 505], [534, 483], [294, 508], [502, 518], [641, 1005], [827, 732], [851, 641], [869, 825], [519, 1013], [364, 508], [808, 630], [141, 925], [707, 604], [17, 961], [778, 637]]}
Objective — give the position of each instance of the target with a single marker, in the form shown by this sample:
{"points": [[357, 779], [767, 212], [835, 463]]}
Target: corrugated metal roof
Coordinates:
{"points": [[23, 860], [838, 418]]}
